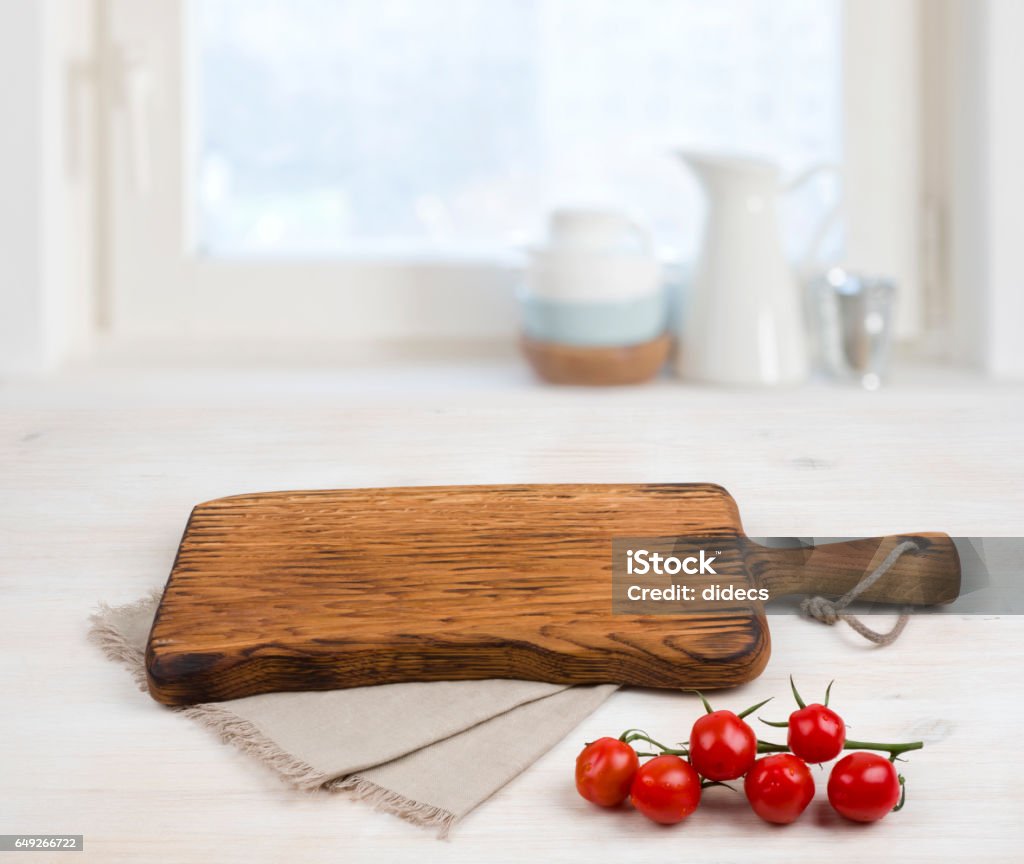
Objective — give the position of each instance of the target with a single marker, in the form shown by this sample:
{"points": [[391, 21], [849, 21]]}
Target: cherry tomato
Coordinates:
{"points": [[722, 746], [779, 788], [816, 733], [605, 770], [863, 787], [666, 789]]}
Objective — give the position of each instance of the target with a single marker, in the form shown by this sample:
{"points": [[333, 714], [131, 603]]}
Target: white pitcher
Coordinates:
{"points": [[745, 323]]}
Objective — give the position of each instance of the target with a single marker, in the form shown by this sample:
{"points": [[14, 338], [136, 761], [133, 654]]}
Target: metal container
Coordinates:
{"points": [[851, 325]]}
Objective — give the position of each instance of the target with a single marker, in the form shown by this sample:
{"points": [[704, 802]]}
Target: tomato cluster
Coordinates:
{"points": [[667, 788]]}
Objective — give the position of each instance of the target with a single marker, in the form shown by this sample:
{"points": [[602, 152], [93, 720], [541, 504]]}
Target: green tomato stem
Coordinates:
{"points": [[707, 784], [893, 750], [903, 794], [670, 752], [753, 708], [707, 705], [796, 694], [631, 735]]}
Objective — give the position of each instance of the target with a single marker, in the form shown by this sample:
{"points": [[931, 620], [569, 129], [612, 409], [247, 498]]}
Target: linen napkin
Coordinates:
{"points": [[427, 752]]}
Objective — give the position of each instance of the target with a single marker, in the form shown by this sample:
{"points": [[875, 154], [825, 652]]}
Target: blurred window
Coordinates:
{"points": [[335, 127]]}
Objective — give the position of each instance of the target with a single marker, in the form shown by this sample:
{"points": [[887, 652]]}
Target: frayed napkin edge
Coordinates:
{"points": [[112, 642], [247, 737], [386, 801]]}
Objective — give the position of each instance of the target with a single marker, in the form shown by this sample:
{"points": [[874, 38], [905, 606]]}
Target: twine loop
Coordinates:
{"points": [[830, 611], [820, 609]]}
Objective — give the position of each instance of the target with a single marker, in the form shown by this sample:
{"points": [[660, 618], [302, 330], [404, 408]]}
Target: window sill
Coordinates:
{"points": [[216, 372]]}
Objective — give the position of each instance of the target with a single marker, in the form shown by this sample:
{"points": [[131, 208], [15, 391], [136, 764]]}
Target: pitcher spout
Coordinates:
{"points": [[714, 169]]}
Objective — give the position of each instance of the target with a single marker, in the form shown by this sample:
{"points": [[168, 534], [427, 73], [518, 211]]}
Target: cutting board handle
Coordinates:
{"points": [[926, 577]]}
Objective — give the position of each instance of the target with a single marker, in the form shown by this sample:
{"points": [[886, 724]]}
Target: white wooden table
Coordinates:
{"points": [[98, 469]]}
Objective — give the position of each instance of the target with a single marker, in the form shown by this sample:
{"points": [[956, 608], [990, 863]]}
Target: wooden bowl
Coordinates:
{"points": [[596, 367]]}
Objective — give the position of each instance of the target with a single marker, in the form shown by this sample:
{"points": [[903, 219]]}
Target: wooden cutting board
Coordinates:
{"points": [[332, 589]]}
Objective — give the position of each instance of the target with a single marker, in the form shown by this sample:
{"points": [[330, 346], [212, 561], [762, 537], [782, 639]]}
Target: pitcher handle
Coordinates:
{"points": [[828, 219]]}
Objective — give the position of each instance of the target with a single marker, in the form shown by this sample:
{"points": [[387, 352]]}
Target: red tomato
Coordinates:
{"points": [[722, 746], [816, 733], [863, 787], [779, 788], [666, 789], [604, 771]]}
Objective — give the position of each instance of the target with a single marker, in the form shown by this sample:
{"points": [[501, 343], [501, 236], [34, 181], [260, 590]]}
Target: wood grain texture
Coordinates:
{"points": [[319, 590], [347, 588], [928, 576]]}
